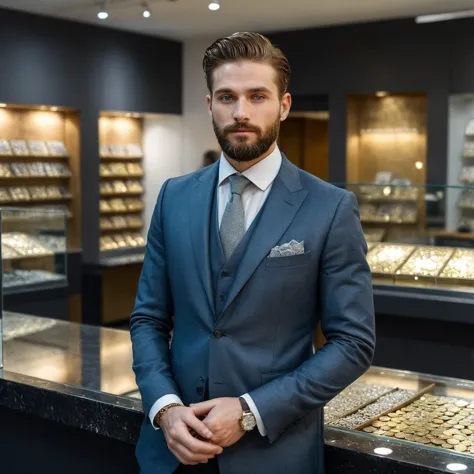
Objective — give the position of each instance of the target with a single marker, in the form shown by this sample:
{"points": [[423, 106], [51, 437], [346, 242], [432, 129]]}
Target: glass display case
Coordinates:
{"points": [[34, 248], [415, 418], [413, 239]]}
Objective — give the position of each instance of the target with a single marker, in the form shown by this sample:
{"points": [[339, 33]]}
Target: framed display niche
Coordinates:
{"points": [[387, 145]]}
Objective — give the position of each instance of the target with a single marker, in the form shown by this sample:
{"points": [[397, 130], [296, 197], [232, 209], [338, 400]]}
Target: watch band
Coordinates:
{"points": [[244, 404]]}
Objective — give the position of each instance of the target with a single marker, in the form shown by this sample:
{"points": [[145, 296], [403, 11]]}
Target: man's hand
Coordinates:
{"points": [[176, 423], [222, 418]]}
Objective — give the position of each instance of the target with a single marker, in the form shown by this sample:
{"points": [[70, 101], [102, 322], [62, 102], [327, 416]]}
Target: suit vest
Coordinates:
{"points": [[223, 272]]}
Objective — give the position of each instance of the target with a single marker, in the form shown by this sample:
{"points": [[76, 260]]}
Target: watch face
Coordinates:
{"points": [[248, 422]]}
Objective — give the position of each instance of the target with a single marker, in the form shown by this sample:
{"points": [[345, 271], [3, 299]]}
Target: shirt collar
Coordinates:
{"points": [[261, 175]]}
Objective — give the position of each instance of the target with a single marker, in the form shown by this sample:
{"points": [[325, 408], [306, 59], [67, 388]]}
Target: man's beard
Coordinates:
{"points": [[243, 150]]}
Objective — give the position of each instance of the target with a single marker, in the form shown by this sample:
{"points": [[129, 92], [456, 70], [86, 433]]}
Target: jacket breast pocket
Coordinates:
{"points": [[291, 261]]}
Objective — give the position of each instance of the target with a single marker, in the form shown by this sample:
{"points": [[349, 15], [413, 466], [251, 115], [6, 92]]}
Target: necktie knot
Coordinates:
{"points": [[238, 183]]}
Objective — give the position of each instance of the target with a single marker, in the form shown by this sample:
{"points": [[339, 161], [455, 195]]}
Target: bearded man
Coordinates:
{"points": [[244, 258]]}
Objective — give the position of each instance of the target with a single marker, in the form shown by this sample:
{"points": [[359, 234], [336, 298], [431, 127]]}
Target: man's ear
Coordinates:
{"points": [[285, 106], [209, 104]]}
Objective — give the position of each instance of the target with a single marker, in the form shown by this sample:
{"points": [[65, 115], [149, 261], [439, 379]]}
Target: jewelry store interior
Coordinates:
{"points": [[92, 124]]}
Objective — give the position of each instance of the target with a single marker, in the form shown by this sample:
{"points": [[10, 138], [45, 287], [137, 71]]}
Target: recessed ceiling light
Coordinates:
{"points": [[102, 14], [146, 11], [214, 5]]}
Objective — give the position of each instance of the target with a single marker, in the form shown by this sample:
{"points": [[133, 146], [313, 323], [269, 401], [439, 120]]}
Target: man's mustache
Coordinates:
{"points": [[235, 127]]}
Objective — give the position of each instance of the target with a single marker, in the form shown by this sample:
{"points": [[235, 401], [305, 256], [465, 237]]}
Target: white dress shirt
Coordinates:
{"points": [[262, 175]]}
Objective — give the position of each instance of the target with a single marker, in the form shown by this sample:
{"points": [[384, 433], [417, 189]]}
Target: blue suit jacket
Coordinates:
{"points": [[268, 320]]}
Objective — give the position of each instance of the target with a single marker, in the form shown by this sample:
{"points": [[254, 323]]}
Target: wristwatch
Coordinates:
{"points": [[247, 420]]}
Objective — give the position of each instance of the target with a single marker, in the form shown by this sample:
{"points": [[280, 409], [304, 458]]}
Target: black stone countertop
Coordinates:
{"points": [[81, 376]]}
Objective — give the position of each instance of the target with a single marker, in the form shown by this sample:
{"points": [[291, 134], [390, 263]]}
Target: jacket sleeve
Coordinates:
{"points": [[347, 321], [151, 320]]}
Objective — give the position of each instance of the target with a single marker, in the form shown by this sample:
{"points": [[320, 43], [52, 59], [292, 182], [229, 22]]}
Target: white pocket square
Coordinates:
{"points": [[287, 250]]}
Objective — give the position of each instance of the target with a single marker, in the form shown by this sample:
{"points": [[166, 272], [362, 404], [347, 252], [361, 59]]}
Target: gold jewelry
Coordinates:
{"points": [[164, 410]]}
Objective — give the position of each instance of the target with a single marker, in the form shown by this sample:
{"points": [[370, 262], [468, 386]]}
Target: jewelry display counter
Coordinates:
{"points": [[75, 382]]}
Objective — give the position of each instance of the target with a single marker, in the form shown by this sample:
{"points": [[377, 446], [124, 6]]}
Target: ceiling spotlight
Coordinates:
{"points": [[103, 14], [146, 11], [444, 16], [214, 5]]}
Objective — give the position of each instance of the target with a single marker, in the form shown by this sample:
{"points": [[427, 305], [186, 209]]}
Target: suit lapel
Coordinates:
{"points": [[278, 212], [200, 210]]}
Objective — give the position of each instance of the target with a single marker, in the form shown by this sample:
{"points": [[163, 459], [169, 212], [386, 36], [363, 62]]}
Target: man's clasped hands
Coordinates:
{"points": [[216, 422]]}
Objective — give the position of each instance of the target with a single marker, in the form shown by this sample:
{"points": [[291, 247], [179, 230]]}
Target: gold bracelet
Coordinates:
{"points": [[164, 410]]}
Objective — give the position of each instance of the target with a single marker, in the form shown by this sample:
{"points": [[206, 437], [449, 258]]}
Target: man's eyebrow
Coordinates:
{"points": [[223, 90], [226, 90]]}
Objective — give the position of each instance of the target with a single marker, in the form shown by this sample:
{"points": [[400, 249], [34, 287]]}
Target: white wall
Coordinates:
{"points": [[198, 133], [174, 145], [461, 110], [163, 154]]}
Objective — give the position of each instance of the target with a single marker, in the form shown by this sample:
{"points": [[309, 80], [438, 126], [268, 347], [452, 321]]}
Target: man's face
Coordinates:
{"points": [[246, 109]]}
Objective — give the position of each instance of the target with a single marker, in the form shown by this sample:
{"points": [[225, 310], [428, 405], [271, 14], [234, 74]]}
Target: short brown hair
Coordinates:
{"points": [[246, 46]]}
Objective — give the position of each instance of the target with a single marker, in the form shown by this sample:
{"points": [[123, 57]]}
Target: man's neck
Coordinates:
{"points": [[242, 166]]}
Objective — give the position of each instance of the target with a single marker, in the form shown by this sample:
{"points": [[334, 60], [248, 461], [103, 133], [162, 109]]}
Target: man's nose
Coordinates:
{"points": [[242, 111]]}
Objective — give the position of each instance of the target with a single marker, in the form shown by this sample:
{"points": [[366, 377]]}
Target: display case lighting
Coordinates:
{"points": [[456, 467], [419, 165], [381, 94], [383, 451], [54, 109], [3, 105], [43, 107], [389, 130], [214, 6], [136, 115]]}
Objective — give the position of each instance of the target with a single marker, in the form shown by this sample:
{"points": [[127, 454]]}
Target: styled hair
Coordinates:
{"points": [[246, 46]]}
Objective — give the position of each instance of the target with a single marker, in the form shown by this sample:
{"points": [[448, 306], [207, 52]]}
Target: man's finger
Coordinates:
{"points": [[187, 457], [197, 446], [197, 425], [203, 408]]}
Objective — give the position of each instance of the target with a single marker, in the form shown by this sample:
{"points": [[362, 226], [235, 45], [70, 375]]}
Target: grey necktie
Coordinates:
{"points": [[233, 221]]}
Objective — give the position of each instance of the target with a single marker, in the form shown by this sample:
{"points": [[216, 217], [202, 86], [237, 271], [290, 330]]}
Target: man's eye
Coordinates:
{"points": [[258, 97], [226, 98]]}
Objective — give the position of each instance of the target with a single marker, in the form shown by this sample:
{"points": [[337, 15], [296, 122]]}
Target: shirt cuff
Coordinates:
{"points": [[254, 410], [161, 403]]}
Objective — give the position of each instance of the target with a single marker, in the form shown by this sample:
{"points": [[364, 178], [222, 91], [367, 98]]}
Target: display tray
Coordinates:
{"points": [[33, 280], [421, 265], [431, 412], [385, 259]]}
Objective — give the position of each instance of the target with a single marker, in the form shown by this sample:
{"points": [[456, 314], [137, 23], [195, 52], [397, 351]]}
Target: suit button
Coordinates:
{"points": [[222, 297], [218, 334], [225, 275], [199, 390]]}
